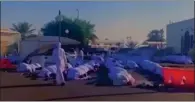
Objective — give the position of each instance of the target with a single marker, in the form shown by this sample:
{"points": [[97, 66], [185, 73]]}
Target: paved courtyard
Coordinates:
{"points": [[17, 88]]}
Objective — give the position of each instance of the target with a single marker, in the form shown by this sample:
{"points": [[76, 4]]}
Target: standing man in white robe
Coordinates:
{"points": [[60, 60], [82, 54], [79, 55]]}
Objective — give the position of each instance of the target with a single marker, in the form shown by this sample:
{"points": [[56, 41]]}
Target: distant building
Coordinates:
{"points": [[8, 38], [43, 43], [106, 44], [156, 44], [180, 35]]}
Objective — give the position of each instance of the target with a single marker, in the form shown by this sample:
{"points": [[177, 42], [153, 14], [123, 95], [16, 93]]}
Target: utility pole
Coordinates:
{"points": [[77, 13], [59, 21]]}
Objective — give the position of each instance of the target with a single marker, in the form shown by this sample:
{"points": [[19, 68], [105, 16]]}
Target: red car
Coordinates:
{"points": [[5, 64]]}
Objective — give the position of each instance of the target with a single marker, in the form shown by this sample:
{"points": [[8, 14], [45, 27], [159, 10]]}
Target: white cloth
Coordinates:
{"points": [[82, 54], [59, 59], [118, 75], [91, 65], [99, 60], [44, 72], [119, 64], [73, 61], [35, 66], [24, 67], [79, 60], [69, 65], [52, 68], [74, 73], [109, 63], [75, 54], [131, 64], [39, 59], [178, 59], [152, 67]]}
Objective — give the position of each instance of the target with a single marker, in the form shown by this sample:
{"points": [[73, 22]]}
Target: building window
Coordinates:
{"points": [[182, 44], [192, 41], [186, 45]]}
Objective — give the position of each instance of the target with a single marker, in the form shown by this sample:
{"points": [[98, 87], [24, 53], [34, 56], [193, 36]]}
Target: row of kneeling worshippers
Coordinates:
{"points": [[116, 71], [108, 70], [51, 70]]}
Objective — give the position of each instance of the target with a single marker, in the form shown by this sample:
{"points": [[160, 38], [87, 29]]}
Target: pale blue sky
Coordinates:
{"points": [[113, 20]]}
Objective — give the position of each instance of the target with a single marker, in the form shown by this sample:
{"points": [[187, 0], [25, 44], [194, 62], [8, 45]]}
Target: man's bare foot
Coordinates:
{"points": [[62, 84], [54, 82], [46, 79], [131, 83]]}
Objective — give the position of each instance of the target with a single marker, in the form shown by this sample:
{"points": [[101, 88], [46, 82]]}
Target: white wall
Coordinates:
{"points": [[28, 47], [174, 33]]}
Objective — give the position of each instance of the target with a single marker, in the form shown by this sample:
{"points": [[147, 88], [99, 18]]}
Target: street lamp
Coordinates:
{"points": [[59, 19], [66, 31]]}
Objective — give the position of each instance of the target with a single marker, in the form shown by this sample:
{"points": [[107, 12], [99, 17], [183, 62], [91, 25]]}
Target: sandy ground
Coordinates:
{"points": [[17, 88]]}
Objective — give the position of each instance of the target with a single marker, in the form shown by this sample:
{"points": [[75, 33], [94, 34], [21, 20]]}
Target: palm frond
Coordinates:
{"points": [[24, 28]]}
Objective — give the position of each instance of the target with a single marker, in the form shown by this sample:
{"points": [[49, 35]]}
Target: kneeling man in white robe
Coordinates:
{"points": [[119, 75]]}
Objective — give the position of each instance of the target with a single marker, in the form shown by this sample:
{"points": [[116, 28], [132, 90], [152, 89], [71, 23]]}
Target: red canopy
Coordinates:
{"points": [[180, 78]]}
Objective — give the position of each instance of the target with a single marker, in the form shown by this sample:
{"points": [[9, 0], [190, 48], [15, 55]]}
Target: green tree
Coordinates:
{"points": [[156, 35], [80, 30], [24, 28]]}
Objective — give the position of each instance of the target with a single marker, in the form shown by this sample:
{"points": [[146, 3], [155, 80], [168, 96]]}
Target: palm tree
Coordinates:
{"points": [[24, 28]]}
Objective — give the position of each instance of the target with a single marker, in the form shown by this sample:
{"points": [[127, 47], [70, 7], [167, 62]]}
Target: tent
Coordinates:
{"points": [[29, 45]]}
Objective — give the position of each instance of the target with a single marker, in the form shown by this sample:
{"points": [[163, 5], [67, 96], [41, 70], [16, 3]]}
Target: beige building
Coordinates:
{"points": [[8, 38]]}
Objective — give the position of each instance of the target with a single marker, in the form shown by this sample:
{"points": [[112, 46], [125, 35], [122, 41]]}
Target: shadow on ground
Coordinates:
{"points": [[77, 97], [25, 86]]}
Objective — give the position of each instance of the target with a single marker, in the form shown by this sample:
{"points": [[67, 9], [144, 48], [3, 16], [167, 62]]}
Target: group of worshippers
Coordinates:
{"points": [[109, 71], [118, 75], [58, 70]]}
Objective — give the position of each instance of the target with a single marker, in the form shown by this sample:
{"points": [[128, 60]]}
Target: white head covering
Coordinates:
{"points": [[58, 45]]}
